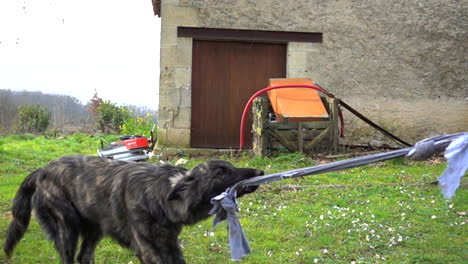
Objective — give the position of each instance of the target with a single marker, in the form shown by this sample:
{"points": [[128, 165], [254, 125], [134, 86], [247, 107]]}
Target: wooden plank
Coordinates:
{"points": [[248, 35], [317, 139], [282, 140], [260, 118], [334, 123], [300, 137], [305, 125]]}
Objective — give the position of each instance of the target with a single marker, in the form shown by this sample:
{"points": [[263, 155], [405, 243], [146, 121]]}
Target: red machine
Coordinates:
{"points": [[133, 148]]}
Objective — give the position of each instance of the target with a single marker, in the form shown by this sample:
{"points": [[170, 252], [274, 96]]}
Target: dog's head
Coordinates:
{"points": [[210, 179]]}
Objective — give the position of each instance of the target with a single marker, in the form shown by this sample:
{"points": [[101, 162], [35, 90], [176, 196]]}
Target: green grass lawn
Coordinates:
{"points": [[380, 213]]}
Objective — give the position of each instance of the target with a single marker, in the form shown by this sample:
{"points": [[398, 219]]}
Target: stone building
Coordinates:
{"points": [[401, 63]]}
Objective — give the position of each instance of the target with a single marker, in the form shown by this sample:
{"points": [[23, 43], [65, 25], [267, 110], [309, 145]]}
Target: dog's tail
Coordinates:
{"points": [[21, 212]]}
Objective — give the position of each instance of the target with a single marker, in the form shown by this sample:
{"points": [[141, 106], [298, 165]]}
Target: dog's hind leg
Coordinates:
{"points": [[60, 221], [91, 234]]}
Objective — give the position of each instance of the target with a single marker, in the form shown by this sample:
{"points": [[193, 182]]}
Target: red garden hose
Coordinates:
{"points": [[249, 103]]}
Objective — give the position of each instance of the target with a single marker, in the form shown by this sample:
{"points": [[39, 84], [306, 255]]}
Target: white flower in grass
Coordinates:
{"points": [[321, 217], [353, 262], [324, 251], [211, 234], [433, 217], [316, 260]]}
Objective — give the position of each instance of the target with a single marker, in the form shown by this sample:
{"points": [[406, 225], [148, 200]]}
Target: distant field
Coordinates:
{"points": [[381, 213]]}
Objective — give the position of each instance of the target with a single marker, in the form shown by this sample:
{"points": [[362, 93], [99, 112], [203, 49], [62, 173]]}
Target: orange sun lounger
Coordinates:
{"points": [[296, 104]]}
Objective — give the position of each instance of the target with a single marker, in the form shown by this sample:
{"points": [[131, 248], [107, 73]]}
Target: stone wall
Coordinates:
{"points": [[401, 63]]}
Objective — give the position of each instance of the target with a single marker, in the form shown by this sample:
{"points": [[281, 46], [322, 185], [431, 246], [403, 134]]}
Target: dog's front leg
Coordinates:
{"points": [[173, 253], [91, 237], [156, 247], [160, 257]]}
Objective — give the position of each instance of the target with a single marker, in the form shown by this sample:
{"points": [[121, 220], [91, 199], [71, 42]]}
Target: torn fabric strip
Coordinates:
{"points": [[225, 205]]}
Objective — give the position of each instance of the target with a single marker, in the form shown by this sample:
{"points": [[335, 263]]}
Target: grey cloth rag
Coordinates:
{"points": [[225, 205], [457, 159], [237, 241]]}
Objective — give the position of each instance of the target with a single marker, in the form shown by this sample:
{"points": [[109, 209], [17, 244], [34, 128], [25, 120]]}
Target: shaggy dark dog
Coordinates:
{"points": [[142, 206]]}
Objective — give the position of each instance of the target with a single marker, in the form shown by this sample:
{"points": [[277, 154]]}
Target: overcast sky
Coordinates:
{"points": [[74, 47]]}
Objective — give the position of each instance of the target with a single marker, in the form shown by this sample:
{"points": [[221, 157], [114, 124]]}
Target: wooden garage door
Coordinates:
{"points": [[224, 76]]}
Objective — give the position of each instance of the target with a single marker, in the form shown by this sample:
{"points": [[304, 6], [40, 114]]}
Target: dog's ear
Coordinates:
{"points": [[177, 191]]}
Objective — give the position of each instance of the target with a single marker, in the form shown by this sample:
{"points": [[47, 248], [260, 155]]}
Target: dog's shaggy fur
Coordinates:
{"points": [[142, 206]]}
